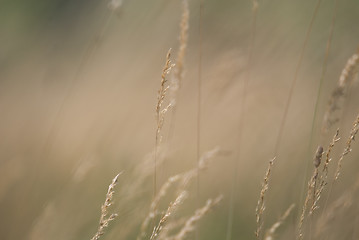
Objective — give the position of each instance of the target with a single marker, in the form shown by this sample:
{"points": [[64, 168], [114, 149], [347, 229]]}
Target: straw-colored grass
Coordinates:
{"points": [[104, 218], [96, 116]]}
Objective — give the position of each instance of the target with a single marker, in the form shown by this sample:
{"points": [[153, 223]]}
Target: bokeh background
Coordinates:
{"points": [[78, 89]]}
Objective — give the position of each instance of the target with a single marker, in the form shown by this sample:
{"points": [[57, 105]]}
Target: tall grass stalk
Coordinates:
{"points": [[261, 201], [178, 71], [347, 149], [347, 76], [199, 108], [161, 112], [182, 180], [243, 98], [319, 93], [170, 210], [311, 191], [293, 83], [105, 219]]}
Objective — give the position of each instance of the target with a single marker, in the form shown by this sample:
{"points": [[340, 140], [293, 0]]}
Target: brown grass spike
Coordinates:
{"points": [[347, 149], [161, 111], [104, 219], [323, 176], [261, 201], [170, 210]]}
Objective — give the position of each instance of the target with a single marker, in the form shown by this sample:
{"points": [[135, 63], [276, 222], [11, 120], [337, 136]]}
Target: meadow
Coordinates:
{"points": [[179, 119]]}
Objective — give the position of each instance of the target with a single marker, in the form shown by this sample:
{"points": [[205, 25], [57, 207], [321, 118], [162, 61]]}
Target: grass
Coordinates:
{"points": [[54, 172]]}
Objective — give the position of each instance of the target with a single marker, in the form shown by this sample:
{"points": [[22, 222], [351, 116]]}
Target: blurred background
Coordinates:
{"points": [[78, 90]]}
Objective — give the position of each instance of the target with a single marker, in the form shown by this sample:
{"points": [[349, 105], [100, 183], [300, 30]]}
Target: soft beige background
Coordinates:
{"points": [[78, 88]]}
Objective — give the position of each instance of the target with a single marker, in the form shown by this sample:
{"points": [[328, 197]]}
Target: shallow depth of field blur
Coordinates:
{"points": [[78, 90]]}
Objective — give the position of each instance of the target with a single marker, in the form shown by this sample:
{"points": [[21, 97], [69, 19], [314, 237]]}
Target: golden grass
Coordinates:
{"points": [[104, 218], [347, 149], [261, 201], [168, 228], [182, 180], [161, 111], [324, 174], [170, 210], [318, 181], [164, 218]]}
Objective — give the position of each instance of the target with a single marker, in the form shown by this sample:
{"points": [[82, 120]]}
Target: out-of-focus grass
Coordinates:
{"points": [[67, 130]]}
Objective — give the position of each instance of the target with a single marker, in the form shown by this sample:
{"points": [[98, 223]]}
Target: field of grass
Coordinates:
{"points": [[179, 119]]}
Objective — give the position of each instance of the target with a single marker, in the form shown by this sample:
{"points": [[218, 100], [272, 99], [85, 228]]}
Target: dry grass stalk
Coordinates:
{"points": [[306, 203], [329, 150], [346, 78], [167, 231], [154, 205], [178, 73], [176, 80], [261, 201], [170, 210], [105, 219], [311, 192], [163, 191], [271, 232], [317, 182], [294, 81], [324, 174], [160, 110], [317, 161], [190, 224], [184, 179], [134, 188], [347, 149]]}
